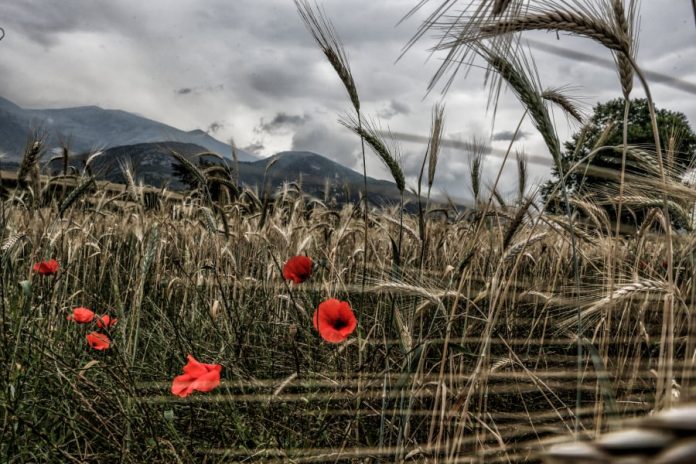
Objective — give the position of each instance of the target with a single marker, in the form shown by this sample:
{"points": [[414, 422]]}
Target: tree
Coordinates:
{"points": [[597, 175]]}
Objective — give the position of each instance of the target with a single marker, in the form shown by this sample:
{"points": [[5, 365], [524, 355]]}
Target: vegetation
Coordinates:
{"points": [[483, 334], [596, 151], [179, 284]]}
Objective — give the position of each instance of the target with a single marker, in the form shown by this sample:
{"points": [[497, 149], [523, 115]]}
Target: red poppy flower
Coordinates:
{"points": [[334, 320], [98, 341], [81, 315], [197, 376], [106, 321], [49, 267], [298, 269]]}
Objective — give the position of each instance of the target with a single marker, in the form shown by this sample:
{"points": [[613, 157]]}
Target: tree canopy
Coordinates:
{"points": [[595, 175]]}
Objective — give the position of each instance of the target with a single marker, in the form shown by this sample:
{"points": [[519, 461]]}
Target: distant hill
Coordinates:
{"points": [[91, 127], [145, 145], [153, 164], [313, 172]]}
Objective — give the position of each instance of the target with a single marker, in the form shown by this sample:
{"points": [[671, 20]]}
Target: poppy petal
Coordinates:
{"points": [[46, 267], [98, 341], [197, 376], [182, 385], [207, 381], [81, 315], [106, 321], [334, 320], [194, 368], [298, 269]]}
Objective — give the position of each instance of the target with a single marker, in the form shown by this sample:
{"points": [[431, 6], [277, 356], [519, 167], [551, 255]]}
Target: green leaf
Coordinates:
{"points": [[26, 288]]}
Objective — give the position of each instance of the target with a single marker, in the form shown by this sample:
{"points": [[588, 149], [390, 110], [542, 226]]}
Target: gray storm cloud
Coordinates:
{"points": [[507, 135], [283, 122], [224, 66]]}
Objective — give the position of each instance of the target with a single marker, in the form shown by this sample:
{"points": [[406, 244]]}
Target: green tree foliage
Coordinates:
{"points": [[605, 129]]}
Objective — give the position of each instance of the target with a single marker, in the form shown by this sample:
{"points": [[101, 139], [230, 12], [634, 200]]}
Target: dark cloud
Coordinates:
{"points": [[282, 123], [214, 127], [277, 81], [256, 147], [168, 64], [199, 90], [506, 135], [43, 22]]}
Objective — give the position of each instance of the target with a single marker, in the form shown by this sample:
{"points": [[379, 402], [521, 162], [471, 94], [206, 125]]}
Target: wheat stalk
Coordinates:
{"points": [[325, 35], [520, 246], [573, 22], [619, 294], [557, 97], [512, 70], [434, 147], [372, 136]]}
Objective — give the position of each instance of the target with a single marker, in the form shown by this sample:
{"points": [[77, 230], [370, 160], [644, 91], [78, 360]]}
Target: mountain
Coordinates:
{"points": [[91, 127], [145, 146], [154, 165], [151, 163], [314, 172]]}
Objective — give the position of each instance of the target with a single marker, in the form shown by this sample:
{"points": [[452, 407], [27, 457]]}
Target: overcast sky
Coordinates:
{"points": [[249, 70]]}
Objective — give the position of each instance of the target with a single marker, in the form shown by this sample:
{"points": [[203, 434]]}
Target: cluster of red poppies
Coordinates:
{"points": [[333, 319], [96, 340], [80, 315]]}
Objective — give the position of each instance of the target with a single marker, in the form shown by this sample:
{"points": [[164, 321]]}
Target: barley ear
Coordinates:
{"points": [[189, 167], [325, 35], [435, 137], [499, 7], [570, 21], [521, 174], [32, 153], [476, 170], [557, 97], [372, 136], [624, 66], [75, 194], [519, 74]]}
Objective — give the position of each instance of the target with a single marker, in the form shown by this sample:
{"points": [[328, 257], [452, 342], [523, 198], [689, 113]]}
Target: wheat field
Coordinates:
{"points": [[466, 347]]}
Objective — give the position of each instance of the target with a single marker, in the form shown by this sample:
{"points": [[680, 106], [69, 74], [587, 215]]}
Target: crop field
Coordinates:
{"points": [[466, 342], [228, 323]]}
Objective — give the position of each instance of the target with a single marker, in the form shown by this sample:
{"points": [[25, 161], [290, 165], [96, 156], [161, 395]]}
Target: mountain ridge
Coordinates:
{"points": [[126, 139], [92, 127], [153, 164]]}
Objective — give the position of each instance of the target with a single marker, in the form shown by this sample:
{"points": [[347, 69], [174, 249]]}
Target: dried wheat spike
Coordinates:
{"points": [[668, 437], [567, 21]]}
